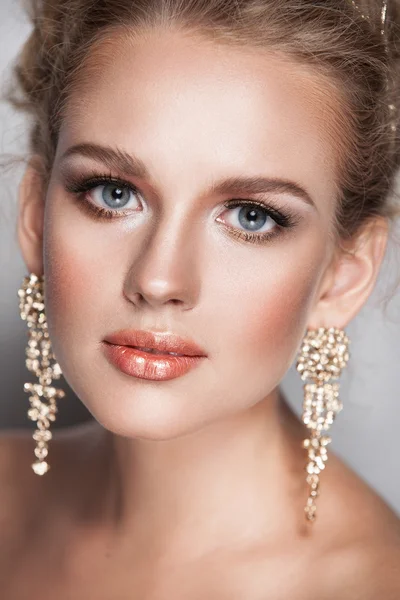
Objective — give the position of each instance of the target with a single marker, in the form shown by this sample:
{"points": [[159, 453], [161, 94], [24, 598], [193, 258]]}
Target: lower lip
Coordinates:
{"points": [[157, 367]]}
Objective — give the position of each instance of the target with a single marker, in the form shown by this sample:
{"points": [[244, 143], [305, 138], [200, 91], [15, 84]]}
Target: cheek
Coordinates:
{"points": [[81, 268], [264, 324], [75, 280], [279, 318]]}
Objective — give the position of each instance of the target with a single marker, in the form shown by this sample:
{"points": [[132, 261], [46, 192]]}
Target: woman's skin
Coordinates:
{"points": [[193, 488]]}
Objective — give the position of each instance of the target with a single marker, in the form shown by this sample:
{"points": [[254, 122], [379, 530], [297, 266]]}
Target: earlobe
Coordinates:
{"points": [[352, 277], [31, 203]]}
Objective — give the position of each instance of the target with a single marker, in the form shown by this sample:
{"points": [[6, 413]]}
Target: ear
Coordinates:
{"points": [[31, 202], [351, 277]]}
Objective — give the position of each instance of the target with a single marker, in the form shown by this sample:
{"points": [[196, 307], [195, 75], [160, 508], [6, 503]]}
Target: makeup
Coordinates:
{"points": [[81, 186], [146, 365], [156, 355]]}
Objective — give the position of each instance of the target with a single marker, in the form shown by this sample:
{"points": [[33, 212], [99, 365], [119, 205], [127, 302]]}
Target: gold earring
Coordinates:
{"points": [[323, 355], [40, 361]]}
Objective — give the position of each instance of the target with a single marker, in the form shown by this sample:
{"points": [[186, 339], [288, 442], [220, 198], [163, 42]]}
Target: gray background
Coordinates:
{"points": [[365, 433]]}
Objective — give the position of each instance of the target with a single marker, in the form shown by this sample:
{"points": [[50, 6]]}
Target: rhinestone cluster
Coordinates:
{"points": [[323, 355], [41, 361]]}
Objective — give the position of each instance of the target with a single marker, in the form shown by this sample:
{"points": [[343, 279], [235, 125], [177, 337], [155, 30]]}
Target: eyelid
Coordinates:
{"points": [[76, 183]]}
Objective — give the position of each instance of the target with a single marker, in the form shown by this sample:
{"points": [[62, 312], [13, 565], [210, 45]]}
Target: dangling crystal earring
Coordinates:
{"points": [[40, 361], [323, 355]]}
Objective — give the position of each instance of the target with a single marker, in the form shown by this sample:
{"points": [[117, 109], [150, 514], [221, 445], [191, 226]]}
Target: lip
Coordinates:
{"points": [[120, 351], [161, 341]]}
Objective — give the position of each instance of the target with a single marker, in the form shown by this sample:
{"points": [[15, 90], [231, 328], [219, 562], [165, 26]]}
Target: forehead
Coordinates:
{"points": [[186, 105]]}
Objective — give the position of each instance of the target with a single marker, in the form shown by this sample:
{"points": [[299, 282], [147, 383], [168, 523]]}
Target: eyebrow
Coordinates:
{"points": [[121, 161]]}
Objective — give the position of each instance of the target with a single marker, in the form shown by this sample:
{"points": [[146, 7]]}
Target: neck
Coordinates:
{"points": [[233, 482]]}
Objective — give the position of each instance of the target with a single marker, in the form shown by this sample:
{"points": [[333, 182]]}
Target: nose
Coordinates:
{"points": [[165, 269]]}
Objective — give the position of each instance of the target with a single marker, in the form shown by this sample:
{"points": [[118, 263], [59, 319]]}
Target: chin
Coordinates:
{"points": [[137, 422]]}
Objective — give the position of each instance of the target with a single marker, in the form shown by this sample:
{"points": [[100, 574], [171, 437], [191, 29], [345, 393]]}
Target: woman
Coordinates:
{"points": [[209, 180]]}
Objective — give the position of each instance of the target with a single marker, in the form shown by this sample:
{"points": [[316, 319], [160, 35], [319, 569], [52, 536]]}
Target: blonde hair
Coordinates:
{"points": [[331, 36]]}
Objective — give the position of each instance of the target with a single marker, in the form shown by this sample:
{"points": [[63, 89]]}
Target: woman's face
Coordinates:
{"points": [[191, 115]]}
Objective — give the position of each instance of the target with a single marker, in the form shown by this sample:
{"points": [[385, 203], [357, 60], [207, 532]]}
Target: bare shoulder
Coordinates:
{"points": [[367, 569], [364, 559]]}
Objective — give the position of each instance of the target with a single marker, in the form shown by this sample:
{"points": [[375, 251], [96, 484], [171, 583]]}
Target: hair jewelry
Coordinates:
{"points": [[384, 10]]}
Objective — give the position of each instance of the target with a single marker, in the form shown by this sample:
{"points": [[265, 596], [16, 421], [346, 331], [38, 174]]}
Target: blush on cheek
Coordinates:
{"points": [[72, 285], [77, 261], [276, 320], [66, 293]]}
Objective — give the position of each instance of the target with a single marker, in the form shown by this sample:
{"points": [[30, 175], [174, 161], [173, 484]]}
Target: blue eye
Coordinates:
{"points": [[252, 218], [107, 196], [255, 221], [114, 195]]}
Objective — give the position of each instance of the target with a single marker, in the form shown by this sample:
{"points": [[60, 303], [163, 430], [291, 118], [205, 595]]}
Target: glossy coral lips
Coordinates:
{"points": [[158, 356]]}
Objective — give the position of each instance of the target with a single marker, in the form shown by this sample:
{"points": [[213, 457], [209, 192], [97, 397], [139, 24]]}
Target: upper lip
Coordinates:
{"points": [[161, 341]]}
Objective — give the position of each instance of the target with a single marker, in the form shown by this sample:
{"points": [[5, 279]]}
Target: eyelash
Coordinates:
{"points": [[78, 186]]}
